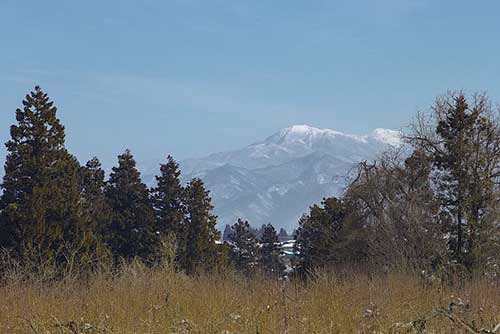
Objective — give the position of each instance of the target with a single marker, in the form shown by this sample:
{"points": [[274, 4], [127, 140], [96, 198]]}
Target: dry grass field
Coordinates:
{"points": [[142, 300]]}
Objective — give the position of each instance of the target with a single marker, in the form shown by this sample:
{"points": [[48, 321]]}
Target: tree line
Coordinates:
{"points": [[432, 204], [55, 211]]}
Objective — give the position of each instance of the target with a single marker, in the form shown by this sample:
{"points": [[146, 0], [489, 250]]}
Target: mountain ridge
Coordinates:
{"points": [[276, 179]]}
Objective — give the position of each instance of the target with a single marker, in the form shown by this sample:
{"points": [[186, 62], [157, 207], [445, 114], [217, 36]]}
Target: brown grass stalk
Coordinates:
{"points": [[138, 299]]}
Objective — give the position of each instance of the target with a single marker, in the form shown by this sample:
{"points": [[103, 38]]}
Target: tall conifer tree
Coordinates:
{"points": [[226, 235], [270, 252], [453, 128], [198, 249], [465, 148], [95, 204], [167, 197], [317, 235], [244, 253], [41, 208], [131, 233]]}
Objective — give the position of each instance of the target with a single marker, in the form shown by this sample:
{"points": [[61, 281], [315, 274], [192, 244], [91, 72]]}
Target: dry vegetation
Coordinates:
{"points": [[142, 300]]}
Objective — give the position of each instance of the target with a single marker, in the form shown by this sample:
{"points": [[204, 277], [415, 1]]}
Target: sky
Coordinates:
{"points": [[192, 77]]}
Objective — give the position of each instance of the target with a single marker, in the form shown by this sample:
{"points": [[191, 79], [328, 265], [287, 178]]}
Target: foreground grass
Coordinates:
{"points": [[140, 300]]}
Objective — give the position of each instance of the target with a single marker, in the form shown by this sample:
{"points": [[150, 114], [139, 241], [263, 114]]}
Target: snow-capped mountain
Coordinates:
{"points": [[295, 142], [277, 179]]}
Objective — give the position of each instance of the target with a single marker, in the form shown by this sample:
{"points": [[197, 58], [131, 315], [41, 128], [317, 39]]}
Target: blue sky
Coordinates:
{"points": [[190, 77]]}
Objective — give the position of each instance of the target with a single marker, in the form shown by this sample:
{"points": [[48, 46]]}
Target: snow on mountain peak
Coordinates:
{"points": [[301, 128], [307, 135], [308, 130], [386, 136], [303, 134]]}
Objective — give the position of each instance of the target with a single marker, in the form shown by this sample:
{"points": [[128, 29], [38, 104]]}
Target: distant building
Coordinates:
{"points": [[290, 254]]}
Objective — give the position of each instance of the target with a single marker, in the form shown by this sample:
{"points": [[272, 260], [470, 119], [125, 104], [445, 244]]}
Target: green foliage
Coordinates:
{"points": [[167, 199], [244, 253], [42, 215], [270, 252], [454, 127], [94, 201], [96, 208], [197, 247], [131, 233], [318, 234], [466, 156]]}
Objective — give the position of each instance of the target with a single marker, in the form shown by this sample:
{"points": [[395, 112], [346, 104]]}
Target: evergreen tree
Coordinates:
{"points": [[131, 233], [270, 252], [226, 236], [244, 252], [465, 150], [42, 216], [95, 204], [260, 231], [283, 236], [454, 128], [167, 196], [318, 234], [197, 247]]}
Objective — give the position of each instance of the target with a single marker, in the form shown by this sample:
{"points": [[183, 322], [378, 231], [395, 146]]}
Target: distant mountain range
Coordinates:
{"points": [[277, 179]]}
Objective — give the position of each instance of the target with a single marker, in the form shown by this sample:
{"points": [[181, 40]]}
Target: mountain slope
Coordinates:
{"points": [[277, 179], [294, 142]]}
